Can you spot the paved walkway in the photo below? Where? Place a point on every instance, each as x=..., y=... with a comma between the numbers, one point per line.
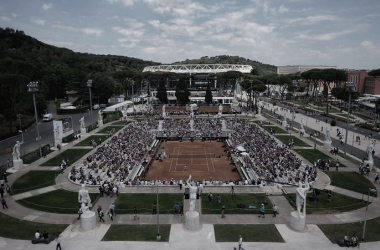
x=74, y=238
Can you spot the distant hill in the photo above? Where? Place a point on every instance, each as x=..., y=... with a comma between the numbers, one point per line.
x=263, y=69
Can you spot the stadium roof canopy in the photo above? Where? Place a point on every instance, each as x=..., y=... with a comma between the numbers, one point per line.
x=199, y=68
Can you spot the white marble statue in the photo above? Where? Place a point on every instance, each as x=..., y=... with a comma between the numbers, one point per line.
x=84, y=197
x=16, y=151
x=100, y=116
x=220, y=109
x=56, y=134
x=301, y=197
x=81, y=122
x=193, y=194
x=259, y=110
x=369, y=152
x=302, y=128
x=163, y=111
x=328, y=134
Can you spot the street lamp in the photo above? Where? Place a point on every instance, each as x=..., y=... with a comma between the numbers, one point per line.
x=22, y=132
x=33, y=88
x=349, y=86
x=370, y=190
x=294, y=100
x=158, y=217
x=89, y=85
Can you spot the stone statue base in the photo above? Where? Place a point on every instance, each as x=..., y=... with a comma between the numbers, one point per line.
x=284, y=124
x=297, y=222
x=370, y=163
x=17, y=164
x=327, y=145
x=83, y=131
x=88, y=220
x=100, y=123
x=57, y=142
x=302, y=131
x=192, y=220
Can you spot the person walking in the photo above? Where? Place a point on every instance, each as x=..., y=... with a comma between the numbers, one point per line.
x=274, y=209
x=376, y=177
x=223, y=211
x=210, y=198
x=101, y=215
x=337, y=165
x=58, y=240
x=135, y=217
x=154, y=208
x=240, y=243
x=112, y=209
x=4, y=203
x=262, y=210
x=80, y=212
x=218, y=199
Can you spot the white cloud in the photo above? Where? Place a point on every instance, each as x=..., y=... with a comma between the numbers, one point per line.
x=47, y=6
x=87, y=31
x=5, y=19
x=92, y=31
x=179, y=8
x=283, y=9
x=14, y=15
x=126, y=3
x=310, y=20
x=38, y=21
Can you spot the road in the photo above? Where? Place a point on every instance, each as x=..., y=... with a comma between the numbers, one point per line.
x=46, y=133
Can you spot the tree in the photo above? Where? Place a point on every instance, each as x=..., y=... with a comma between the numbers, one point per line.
x=208, y=97
x=162, y=94
x=181, y=92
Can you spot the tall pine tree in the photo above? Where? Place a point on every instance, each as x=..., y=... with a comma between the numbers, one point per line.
x=162, y=95
x=208, y=97
x=181, y=92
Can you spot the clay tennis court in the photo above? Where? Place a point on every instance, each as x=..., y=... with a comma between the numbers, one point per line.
x=214, y=109
x=198, y=157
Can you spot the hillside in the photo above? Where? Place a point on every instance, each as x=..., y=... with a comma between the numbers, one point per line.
x=263, y=69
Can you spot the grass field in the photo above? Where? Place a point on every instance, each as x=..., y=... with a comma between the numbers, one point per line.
x=33, y=180
x=339, y=203
x=24, y=230
x=144, y=203
x=312, y=155
x=109, y=128
x=277, y=130
x=351, y=180
x=120, y=123
x=73, y=155
x=297, y=142
x=231, y=203
x=338, y=231
x=250, y=233
x=58, y=201
x=87, y=141
x=136, y=233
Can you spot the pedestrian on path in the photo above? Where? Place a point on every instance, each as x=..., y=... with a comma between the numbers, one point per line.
x=262, y=210
x=274, y=209
x=80, y=212
x=240, y=243
x=4, y=203
x=223, y=211
x=154, y=208
x=337, y=165
x=376, y=177
x=329, y=196
x=58, y=240
x=135, y=217
x=101, y=215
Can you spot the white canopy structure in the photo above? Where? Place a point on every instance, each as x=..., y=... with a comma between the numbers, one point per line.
x=199, y=68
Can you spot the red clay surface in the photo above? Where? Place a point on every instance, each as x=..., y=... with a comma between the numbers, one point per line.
x=200, y=168
x=214, y=109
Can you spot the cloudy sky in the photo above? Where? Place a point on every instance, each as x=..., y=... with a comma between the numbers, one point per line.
x=343, y=33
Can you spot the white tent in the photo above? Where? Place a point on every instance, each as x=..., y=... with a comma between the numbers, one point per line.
x=241, y=149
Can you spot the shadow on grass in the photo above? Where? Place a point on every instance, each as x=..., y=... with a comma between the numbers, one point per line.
x=250, y=233
x=136, y=233
x=72, y=154
x=351, y=181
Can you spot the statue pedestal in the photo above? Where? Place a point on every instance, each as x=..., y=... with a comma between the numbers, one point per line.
x=17, y=164
x=259, y=117
x=297, y=222
x=284, y=124
x=100, y=123
x=302, y=131
x=88, y=220
x=327, y=145
x=192, y=220
x=370, y=163
x=57, y=142
x=83, y=131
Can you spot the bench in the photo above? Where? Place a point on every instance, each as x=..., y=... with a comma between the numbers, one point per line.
x=41, y=240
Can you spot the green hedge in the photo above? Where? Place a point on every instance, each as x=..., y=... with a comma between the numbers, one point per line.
x=71, y=111
x=35, y=155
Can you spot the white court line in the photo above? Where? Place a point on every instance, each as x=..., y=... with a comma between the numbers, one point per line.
x=212, y=161
x=171, y=161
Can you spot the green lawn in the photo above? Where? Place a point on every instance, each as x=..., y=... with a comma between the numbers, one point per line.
x=337, y=231
x=73, y=155
x=231, y=203
x=87, y=141
x=339, y=203
x=312, y=155
x=24, y=230
x=144, y=202
x=297, y=142
x=250, y=233
x=120, y=123
x=33, y=180
x=350, y=180
x=277, y=130
x=58, y=201
x=136, y=233
x=109, y=128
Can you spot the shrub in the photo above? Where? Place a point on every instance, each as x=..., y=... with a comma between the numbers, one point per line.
x=333, y=123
